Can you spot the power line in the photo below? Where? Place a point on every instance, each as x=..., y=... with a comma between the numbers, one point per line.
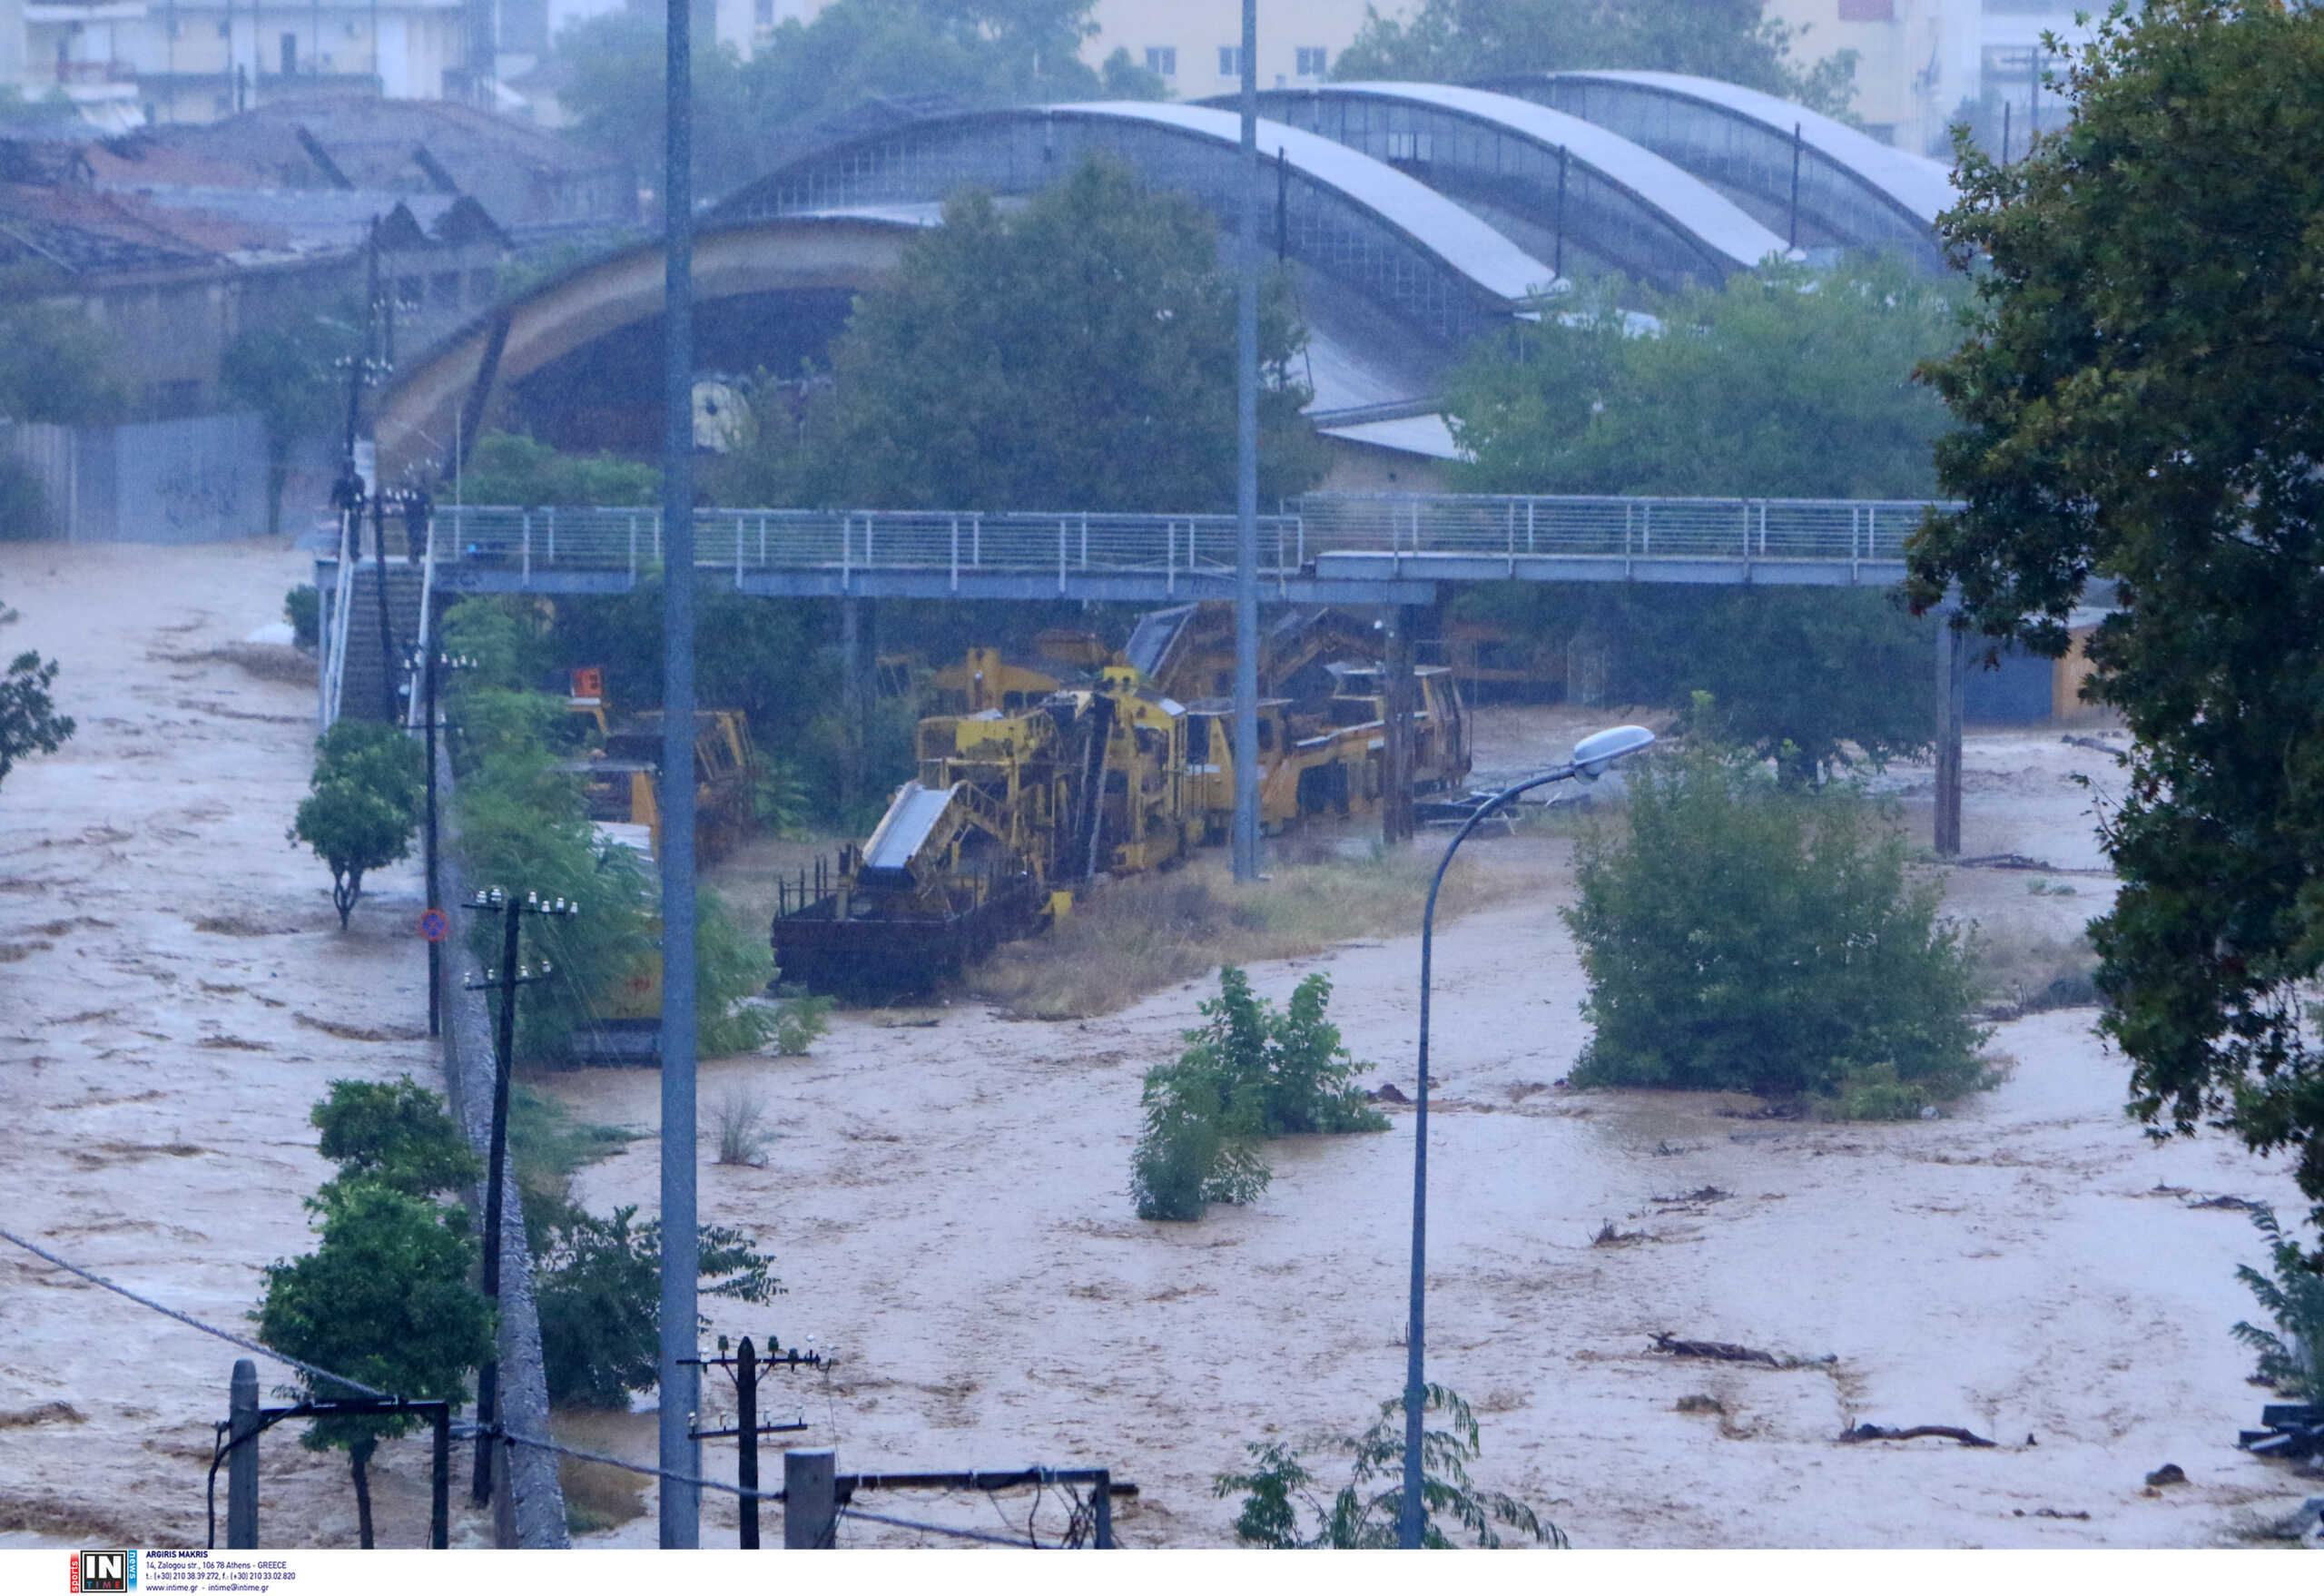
x=242, y=1341
x=880, y=1518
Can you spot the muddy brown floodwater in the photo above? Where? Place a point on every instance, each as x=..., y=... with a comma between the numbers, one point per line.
x=946, y=1192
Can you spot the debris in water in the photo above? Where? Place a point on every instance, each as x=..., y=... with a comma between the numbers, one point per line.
x=1609, y=1237
x=2237, y=1204
x=1728, y=1352
x=1946, y=1432
x=2168, y=1475
x=1701, y=1404
x=1387, y=1093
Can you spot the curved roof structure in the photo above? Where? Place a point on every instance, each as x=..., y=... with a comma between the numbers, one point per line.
x=1553, y=182
x=1344, y=215
x=1854, y=191
x=464, y=379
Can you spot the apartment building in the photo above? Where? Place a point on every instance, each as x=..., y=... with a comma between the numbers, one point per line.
x=1195, y=46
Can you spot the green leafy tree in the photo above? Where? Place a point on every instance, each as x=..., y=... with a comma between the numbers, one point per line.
x=56, y=365
x=395, y=1134
x=1253, y=1071
x=1738, y=937
x=29, y=722
x=286, y=369
x=1077, y=352
x=365, y=802
x=385, y=1299
x=600, y=1293
x=1365, y=1513
x=2141, y=401
x=813, y=73
x=1453, y=41
x=507, y=468
x=1789, y=381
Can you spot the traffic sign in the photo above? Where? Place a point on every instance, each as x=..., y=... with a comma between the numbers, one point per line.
x=435, y=925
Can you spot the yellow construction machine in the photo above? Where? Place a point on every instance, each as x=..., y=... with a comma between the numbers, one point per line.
x=620, y=773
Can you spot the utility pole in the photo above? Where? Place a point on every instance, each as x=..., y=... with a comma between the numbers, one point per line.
x=241, y=1461
x=428, y=663
x=1247, y=472
x=511, y=976
x=681, y=1504
x=745, y=1367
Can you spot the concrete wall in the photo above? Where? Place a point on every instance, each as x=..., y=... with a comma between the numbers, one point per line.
x=201, y=479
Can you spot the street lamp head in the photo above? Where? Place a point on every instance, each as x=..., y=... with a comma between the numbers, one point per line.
x=1594, y=752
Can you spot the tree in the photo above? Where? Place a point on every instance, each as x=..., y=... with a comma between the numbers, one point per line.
x=600, y=1293
x=809, y=76
x=1789, y=381
x=1365, y=1513
x=286, y=367
x=1252, y=1072
x=56, y=365
x=1076, y=354
x=394, y=1133
x=2291, y=1356
x=385, y=1299
x=508, y=468
x=360, y=815
x=1453, y=41
x=29, y=722
x=2141, y=401
x=1738, y=937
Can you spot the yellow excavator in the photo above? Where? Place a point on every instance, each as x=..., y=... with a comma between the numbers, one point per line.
x=619, y=774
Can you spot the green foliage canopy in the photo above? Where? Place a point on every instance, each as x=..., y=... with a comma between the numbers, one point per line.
x=1251, y=1071
x=2292, y=1355
x=395, y=1134
x=56, y=365
x=1454, y=41
x=508, y=468
x=365, y=802
x=1078, y=353
x=2142, y=399
x=29, y=722
x=1365, y=1513
x=1736, y=938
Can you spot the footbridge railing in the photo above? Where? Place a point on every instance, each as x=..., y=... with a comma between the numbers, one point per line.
x=1746, y=531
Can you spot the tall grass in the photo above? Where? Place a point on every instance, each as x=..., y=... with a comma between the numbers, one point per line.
x=1137, y=936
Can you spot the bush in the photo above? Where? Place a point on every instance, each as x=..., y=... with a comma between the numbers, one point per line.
x=1740, y=937
x=2292, y=1357
x=740, y=1121
x=599, y=1292
x=510, y=468
x=302, y=606
x=1251, y=1072
x=799, y=1021
x=23, y=506
x=1366, y=1511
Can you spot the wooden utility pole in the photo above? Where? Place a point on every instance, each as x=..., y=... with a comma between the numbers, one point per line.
x=1396, y=797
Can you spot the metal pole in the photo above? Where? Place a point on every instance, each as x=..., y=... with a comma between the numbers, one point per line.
x=1797, y=145
x=681, y=1503
x=1247, y=473
x=746, y=1439
x=1412, y=1520
x=435, y=884
x=1557, y=260
x=242, y=1463
x=504, y=1048
x=1951, y=659
x=809, y=1500
x=1102, y=1507
x=440, y=1480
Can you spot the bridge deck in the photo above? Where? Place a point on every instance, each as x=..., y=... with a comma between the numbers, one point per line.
x=1342, y=549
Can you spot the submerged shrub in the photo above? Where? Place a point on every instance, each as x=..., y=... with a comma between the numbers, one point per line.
x=1739, y=937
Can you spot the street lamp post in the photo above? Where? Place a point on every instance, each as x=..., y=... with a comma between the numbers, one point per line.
x=1591, y=755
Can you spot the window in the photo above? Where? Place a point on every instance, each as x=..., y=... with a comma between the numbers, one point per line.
x=290, y=55
x=1867, y=10
x=1405, y=146
x=1310, y=59
x=1162, y=60
x=763, y=13
x=1230, y=60
x=223, y=33
x=444, y=288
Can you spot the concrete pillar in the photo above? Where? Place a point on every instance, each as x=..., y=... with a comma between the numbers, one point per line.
x=809, y=1500
x=1952, y=673
x=242, y=1463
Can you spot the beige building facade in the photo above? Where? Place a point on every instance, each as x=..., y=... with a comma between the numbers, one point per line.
x=1193, y=46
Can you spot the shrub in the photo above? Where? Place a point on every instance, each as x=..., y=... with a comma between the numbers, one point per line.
x=302, y=606
x=1366, y=1511
x=740, y=1120
x=799, y=1021
x=599, y=1291
x=24, y=504
x=1741, y=938
x=2292, y=1357
x=1251, y=1071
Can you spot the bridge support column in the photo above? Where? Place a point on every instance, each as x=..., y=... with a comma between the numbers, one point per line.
x=1952, y=673
x=858, y=621
x=1396, y=798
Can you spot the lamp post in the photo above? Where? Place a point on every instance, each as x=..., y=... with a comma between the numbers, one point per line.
x=1591, y=755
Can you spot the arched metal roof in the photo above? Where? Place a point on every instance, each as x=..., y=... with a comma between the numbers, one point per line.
x=1352, y=219
x=1854, y=190
x=1552, y=180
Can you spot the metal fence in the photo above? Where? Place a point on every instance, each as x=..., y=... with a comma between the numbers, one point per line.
x=573, y=538
x=197, y=479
